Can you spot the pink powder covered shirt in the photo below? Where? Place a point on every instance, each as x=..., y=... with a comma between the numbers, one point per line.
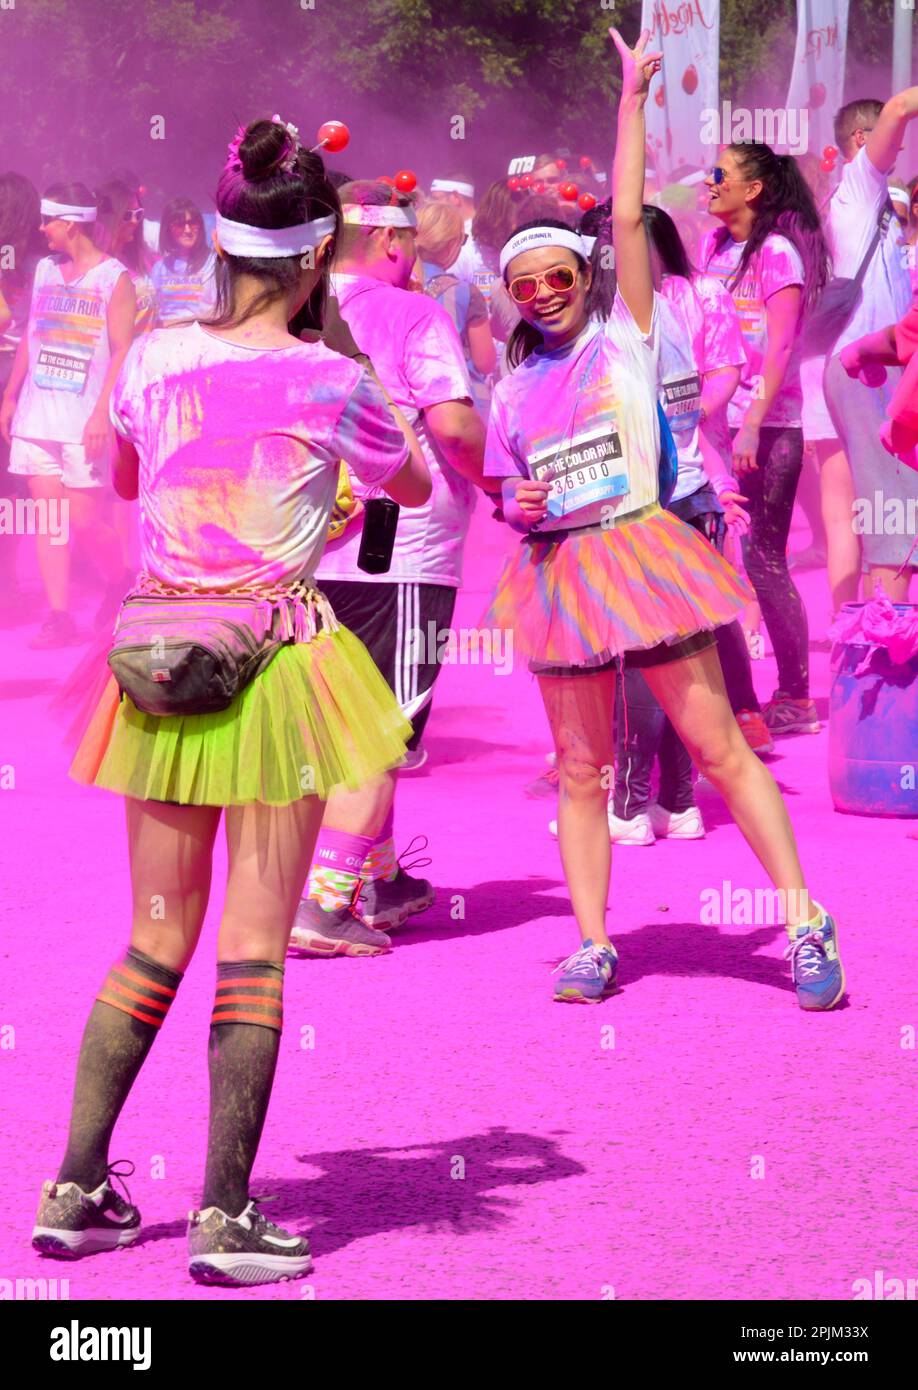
x=418, y=356
x=775, y=266
x=239, y=453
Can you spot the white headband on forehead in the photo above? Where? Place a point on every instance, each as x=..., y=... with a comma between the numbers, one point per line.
x=270, y=243
x=589, y=242
x=378, y=215
x=467, y=190
x=534, y=237
x=67, y=211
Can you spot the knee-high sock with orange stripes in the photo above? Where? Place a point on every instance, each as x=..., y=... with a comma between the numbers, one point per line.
x=126, y=1017
x=244, y=1041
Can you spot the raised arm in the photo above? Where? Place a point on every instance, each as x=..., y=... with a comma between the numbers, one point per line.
x=632, y=253
x=885, y=140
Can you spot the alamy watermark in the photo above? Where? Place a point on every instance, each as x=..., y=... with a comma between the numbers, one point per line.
x=782, y=127
x=464, y=646
x=36, y=516
x=884, y=516
x=747, y=907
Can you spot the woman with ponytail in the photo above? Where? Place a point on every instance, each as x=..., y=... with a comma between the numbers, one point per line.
x=604, y=575
x=771, y=254
x=231, y=433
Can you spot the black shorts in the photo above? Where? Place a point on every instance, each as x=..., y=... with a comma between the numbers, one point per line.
x=659, y=655
x=399, y=625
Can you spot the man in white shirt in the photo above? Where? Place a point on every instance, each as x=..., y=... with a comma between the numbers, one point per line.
x=869, y=137
x=357, y=888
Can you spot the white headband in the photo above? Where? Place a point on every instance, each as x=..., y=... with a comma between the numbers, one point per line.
x=270, y=243
x=898, y=195
x=67, y=212
x=542, y=236
x=452, y=186
x=378, y=215
x=589, y=242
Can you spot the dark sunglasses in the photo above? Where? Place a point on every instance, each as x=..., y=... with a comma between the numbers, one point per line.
x=718, y=174
x=184, y=222
x=132, y=215
x=559, y=278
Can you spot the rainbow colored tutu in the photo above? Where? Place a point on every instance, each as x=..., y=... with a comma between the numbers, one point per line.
x=594, y=594
x=318, y=717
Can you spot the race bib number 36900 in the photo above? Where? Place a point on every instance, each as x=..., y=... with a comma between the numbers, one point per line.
x=588, y=469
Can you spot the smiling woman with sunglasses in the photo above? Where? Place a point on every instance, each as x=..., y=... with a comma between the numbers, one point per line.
x=185, y=278
x=605, y=573
x=772, y=256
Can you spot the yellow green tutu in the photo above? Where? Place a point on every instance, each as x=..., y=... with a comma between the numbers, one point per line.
x=319, y=716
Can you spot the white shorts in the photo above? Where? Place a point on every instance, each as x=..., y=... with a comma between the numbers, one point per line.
x=47, y=458
x=817, y=423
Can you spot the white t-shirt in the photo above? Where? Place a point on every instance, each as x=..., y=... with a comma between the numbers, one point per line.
x=585, y=418
x=182, y=293
x=471, y=267
x=850, y=226
x=699, y=333
x=69, y=352
x=775, y=266
x=418, y=356
x=239, y=453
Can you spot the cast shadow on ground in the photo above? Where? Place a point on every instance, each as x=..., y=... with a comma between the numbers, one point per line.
x=681, y=949
x=368, y=1192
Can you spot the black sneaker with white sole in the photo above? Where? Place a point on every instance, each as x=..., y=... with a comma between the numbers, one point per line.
x=243, y=1250
x=72, y=1223
x=318, y=931
x=385, y=904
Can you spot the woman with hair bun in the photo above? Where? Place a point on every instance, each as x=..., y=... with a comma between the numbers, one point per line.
x=231, y=432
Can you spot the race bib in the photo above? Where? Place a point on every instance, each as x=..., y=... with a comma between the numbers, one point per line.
x=587, y=469
x=682, y=402
x=61, y=371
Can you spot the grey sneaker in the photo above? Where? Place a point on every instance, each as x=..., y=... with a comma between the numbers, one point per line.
x=244, y=1249
x=71, y=1222
x=387, y=903
x=317, y=932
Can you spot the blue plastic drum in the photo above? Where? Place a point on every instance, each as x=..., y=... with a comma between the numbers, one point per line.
x=873, y=731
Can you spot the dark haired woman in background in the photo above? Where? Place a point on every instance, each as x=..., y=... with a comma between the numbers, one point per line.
x=55, y=406
x=119, y=232
x=772, y=256
x=24, y=248
x=231, y=433
x=701, y=353
x=604, y=572
x=184, y=279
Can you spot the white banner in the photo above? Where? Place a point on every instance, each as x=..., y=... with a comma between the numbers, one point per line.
x=688, y=34
x=817, y=82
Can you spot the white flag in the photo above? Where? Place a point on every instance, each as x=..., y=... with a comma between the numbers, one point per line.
x=817, y=82
x=688, y=35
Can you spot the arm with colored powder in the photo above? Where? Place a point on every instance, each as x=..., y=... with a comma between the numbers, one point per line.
x=13, y=387
x=782, y=316
x=121, y=310
x=629, y=238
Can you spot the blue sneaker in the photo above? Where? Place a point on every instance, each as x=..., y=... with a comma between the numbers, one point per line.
x=588, y=975
x=816, y=967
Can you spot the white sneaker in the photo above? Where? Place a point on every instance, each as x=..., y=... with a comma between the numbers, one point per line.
x=677, y=825
x=638, y=831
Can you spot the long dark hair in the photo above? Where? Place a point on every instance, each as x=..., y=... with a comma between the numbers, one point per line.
x=262, y=194
x=525, y=337
x=113, y=198
x=785, y=206
x=174, y=209
x=19, y=214
x=662, y=233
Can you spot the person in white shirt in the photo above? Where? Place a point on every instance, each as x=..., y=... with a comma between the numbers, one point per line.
x=869, y=137
x=419, y=357
x=55, y=407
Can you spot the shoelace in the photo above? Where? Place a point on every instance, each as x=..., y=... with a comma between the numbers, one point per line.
x=806, y=955
x=119, y=1176
x=581, y=961
x=415, y=849
x=411, y=848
